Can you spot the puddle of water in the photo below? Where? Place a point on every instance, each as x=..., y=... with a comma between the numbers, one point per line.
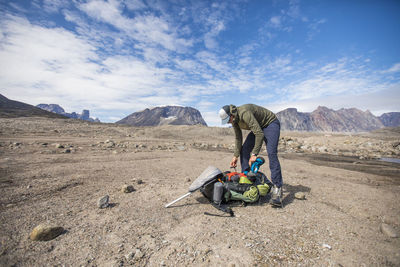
x=390, y=160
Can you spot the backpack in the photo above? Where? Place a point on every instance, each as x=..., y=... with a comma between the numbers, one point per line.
x=240, y=187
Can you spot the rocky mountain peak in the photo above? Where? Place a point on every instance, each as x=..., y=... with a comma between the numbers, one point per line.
x=55, y=108
x=172, y=115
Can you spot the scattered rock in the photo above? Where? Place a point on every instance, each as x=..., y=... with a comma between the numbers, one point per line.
x=130, y=256
x=103, y=202
x=44, y=232
x=138, y=254
x=59, y=146
x=67, y=151
x=139, y=181
x=326, y=246
x=109, y=143
x=388, y=230
x=322, y=149
x=127, y=189
x=300, y=195
x=29, y=186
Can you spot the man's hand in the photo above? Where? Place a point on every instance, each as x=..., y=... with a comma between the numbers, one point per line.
x=234, y=162
x=252, y=159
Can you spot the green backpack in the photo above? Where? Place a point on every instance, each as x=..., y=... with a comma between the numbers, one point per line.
x=245, y=188
x=248, y=188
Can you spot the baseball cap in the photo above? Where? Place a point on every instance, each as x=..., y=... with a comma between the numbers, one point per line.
x=224, y=114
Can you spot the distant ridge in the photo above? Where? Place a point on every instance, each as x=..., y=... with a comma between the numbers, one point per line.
x=324, y=119
x=85, y=115
x=171, y=115
x=391, y=119
x=13, y=109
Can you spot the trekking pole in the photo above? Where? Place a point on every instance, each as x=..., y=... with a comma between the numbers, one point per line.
x=176, y=200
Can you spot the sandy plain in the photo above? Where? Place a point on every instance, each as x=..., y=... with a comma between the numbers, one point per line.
x=54, y=171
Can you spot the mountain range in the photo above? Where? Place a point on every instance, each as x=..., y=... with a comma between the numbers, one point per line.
x=172, y=115
x=55, y=108
x=322, y=119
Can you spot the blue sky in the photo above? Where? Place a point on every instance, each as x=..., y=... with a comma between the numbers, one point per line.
x=116, y=57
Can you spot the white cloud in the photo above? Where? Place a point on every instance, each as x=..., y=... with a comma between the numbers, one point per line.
x=275, y=21
x=54, y=6
x=134, y=4
x=294, y=9
x=147, y=29
x=393, y=69
x=57, y=65
x=314, y=28
x=211, y=117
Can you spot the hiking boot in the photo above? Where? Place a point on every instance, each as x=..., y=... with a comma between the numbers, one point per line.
x=276, y=198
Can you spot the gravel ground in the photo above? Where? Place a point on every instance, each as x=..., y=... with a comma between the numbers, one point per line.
x=54, y=171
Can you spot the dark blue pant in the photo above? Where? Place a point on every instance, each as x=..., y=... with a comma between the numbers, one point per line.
x=271, y=139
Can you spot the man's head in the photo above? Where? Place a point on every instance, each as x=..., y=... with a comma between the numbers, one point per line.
x=225, y=114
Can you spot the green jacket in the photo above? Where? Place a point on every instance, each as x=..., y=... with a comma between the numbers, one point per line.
x=250, y=117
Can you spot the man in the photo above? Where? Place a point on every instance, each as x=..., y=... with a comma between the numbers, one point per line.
x=264, y=125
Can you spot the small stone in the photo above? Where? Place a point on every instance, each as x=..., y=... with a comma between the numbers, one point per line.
x=139, y=181
x=127, y=189
x=207, y=251
x=388, y=230
x=138, y=254
x=59, y=146
x=67, y=150
x=188, y=180
x=110, y=145
x=300, y=195
x=103, y=202
x=44, y=232
x=29, y=186
x=130, y=256
x=326, y=246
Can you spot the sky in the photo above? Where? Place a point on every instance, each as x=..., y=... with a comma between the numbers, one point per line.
x=116, y=57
